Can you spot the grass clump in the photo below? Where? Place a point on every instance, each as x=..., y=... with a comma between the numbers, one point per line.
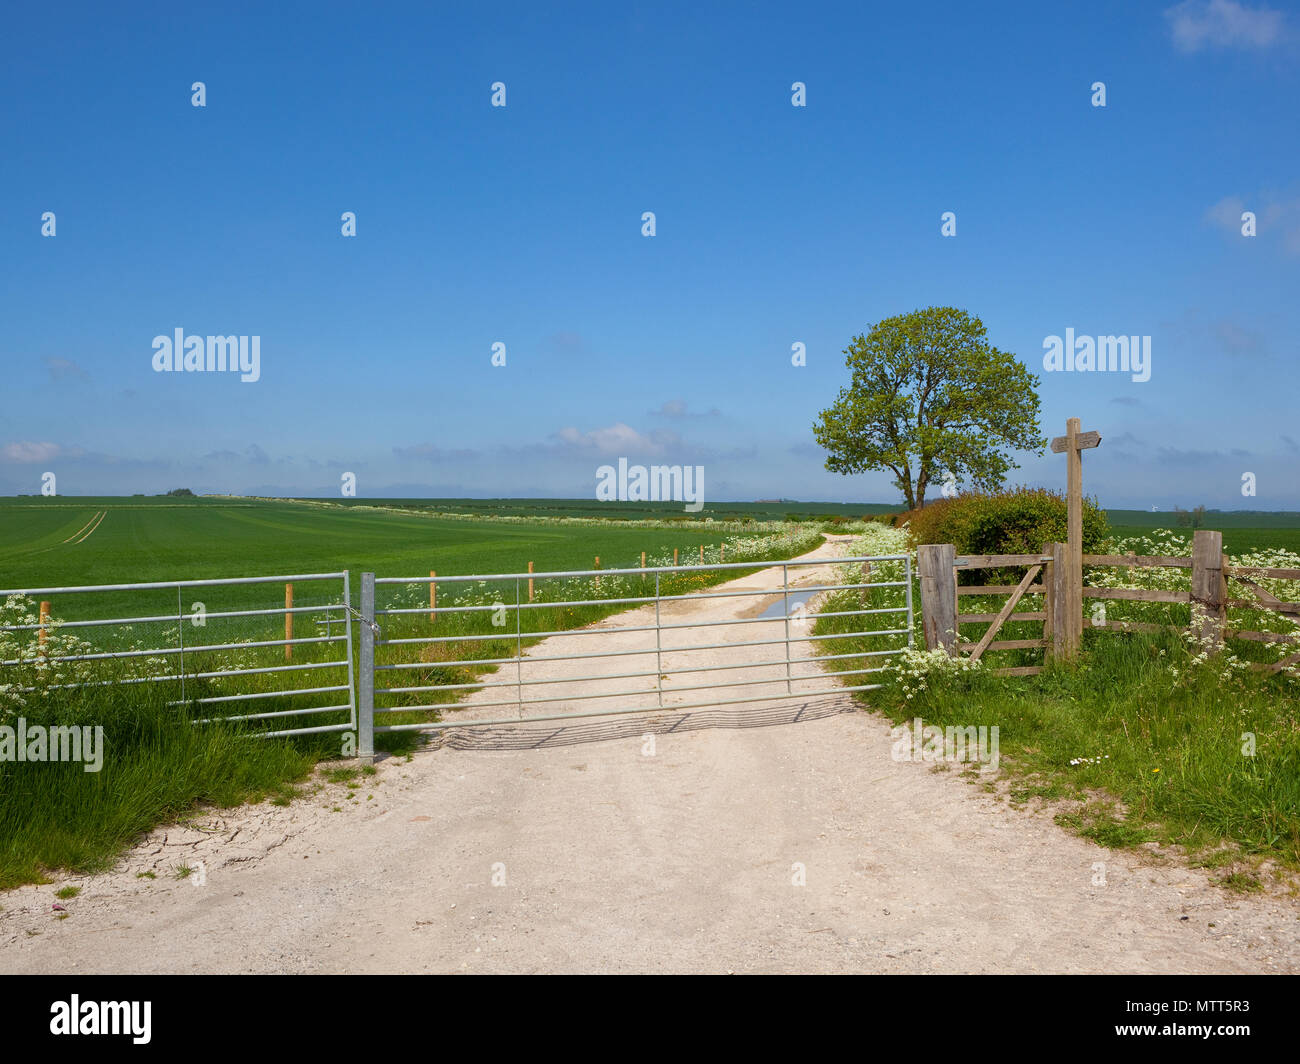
x=157, y=766
x=1192, y=754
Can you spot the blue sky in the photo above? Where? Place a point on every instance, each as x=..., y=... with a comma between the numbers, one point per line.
x=522, y=225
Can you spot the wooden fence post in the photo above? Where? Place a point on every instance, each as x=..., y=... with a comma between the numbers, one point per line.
x=1049, y=598
x=1065, y=640
x=530, y=582
x=41, y=634
x=1208, y=587
x=674, y=556
x=433, y=596
x=701, y=553
x=289, y=621
x=935, y=563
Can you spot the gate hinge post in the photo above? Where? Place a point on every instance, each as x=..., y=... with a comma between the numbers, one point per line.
x=366, y=673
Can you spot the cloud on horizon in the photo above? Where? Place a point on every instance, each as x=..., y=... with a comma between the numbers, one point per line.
x=23, y=452
x=616, y=439
x=428, y=452
x=678, y=410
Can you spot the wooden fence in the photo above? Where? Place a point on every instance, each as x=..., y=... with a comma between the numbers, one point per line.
x=1048, y=575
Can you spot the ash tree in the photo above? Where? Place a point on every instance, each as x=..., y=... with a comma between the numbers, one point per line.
x=930, y=398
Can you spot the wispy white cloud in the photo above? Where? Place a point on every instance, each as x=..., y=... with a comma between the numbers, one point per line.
x=672, y=408
x=1236, y=339
x=1196, y=25
x=1276, y=217
x=616, y=439
x=568, y=342
x=1226, y=214
x=63, y=367
x=28, y=451
x=678, y=410
x=253, y=454
x=1178, y=456
x=429, y=452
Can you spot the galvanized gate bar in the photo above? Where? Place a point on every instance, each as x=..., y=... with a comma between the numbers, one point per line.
x=154, y=652
x=216, y=582
x=756, y=566
x=175, y=657
x=655, y=693
x=630, y=628
x=274, y=611
x=632, y=600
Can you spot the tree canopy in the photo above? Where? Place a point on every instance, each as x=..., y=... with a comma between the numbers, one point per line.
x=929, y=398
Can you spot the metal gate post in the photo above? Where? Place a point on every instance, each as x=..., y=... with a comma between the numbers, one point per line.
x=366, y=687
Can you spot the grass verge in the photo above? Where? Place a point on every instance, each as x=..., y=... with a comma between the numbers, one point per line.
x=1144, y=740
x=156, y=767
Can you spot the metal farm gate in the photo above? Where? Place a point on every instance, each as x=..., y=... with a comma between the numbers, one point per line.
x=465, y=656
x=471, y=651
x=217, y=653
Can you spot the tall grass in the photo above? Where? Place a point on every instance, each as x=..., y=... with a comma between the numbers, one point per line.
x=1178, y=755
x=157, y=766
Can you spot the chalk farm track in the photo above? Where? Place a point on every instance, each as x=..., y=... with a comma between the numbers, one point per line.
x=612, y=860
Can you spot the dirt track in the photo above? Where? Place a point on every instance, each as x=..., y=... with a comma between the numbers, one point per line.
x=681, y=860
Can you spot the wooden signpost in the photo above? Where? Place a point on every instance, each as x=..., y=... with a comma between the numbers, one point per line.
x=1073, y=443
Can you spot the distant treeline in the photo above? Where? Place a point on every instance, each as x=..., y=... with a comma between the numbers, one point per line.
x=1206, y=518
x=774, y=510
x=631, y=511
